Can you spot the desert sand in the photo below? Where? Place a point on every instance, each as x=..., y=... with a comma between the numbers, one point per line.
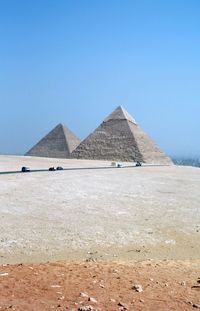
x=142, y=222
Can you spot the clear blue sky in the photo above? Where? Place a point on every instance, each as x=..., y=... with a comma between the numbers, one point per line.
x=74, y=61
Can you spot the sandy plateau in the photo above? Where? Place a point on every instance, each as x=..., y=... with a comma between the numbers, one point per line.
x=84, y=238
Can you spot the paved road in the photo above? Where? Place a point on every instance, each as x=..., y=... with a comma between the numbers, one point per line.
x=64, y=169
x=79, y=168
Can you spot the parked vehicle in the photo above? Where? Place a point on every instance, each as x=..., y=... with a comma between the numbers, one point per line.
x=116, y=164
x=59, y=168
x=25, y=169
x=52, y=168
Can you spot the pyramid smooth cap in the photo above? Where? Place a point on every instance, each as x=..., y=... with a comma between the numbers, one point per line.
x=120, y=114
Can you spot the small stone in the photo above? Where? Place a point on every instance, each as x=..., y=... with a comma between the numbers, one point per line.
x=183, y=283
x=101, y=285
x=92, y=300
x=138, y=288
x=84, y=295
x=61, y=298
x=112, y=300
x=196, y=305
x=86, y=308
x=91, y=260
x=196, y=286
x=123, y=306
x=189, y=302
x=4, y=274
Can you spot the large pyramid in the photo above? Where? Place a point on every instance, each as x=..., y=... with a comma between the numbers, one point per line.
x=120, y=138
x=59, y=143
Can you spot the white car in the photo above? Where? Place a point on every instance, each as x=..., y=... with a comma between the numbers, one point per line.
x=116, y=164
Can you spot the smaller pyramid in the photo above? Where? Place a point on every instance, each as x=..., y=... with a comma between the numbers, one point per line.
x=59, y=143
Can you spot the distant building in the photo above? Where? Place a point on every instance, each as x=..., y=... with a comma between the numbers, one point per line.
x=120, y=138
x=59, y=143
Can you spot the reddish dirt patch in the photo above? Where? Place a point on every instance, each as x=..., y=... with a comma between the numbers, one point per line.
x=57, y=286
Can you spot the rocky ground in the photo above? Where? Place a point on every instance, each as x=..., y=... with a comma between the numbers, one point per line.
x=110, y=286
x=73, y=225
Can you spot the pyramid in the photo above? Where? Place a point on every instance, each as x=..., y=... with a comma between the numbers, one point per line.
x=59, y=143
x=120, y=138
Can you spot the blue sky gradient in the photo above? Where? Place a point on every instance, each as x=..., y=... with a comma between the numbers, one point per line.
x=75, y=61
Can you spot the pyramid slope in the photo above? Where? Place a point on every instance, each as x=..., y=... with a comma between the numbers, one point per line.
x=58, y=143
x=109, y=142
x=150, y=151
x=119, y=138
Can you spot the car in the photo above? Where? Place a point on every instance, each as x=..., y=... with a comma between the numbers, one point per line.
x=116, y=164
x=25, y=169
x=59, y=168
x=52, y=168
x=138, y=163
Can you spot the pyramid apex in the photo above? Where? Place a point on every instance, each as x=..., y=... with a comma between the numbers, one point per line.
x=121, y=107
x=120, y=113
x=59, y=125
